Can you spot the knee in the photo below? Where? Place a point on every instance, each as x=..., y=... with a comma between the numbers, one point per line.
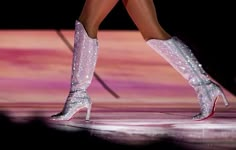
x=154, y=32
x=159, y=36
x=88, y=23
x=147, y=36
x=90, y=26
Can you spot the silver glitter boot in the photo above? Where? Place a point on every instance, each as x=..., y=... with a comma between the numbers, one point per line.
x=180, y=57
x=83, y=66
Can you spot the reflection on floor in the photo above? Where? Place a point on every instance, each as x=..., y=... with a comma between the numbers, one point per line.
x=138, y=98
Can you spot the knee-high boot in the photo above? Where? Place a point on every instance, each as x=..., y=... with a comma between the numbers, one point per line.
x=83, y=66
x=180, y=57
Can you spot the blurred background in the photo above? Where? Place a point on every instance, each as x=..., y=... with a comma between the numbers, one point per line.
x=207, y=27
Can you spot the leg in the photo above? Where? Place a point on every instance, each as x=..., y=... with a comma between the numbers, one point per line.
x=177, y=54
x=84, y=57
x=143, y=13
x=93, y=13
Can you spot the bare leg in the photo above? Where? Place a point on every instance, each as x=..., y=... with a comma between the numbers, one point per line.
x=93, y=13
x=143, y=13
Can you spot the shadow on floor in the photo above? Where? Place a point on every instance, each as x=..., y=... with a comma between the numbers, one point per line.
x=37, y=134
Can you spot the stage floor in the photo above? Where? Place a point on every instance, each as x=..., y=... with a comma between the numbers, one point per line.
x=138, y=98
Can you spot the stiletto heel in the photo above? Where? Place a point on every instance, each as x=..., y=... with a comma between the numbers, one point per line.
x=88, y=112
x=222, y=95
x=224, y=99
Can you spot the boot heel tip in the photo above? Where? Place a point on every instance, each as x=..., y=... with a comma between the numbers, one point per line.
x=226, y=105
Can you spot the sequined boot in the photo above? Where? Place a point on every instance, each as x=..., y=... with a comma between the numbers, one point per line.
x=83, y=66
x=180, y=57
